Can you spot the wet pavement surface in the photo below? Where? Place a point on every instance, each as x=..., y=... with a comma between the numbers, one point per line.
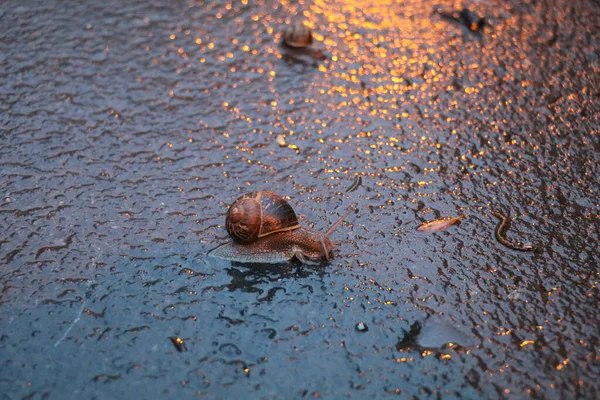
x=127, y=128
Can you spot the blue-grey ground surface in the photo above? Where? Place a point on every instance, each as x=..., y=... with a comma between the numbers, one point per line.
x=128, y=127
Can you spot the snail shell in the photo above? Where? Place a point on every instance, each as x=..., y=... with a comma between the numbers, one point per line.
x=258, y=214
x=297, y=35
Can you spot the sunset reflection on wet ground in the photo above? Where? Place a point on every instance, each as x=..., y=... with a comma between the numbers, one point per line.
x=129, y=127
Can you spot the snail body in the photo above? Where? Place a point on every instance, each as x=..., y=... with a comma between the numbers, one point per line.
x=301, y=244
x=264, y=229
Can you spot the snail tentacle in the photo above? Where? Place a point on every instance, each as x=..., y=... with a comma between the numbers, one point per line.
x=324, y=249
x=337, y=223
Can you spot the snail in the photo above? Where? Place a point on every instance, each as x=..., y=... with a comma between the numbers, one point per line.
x=297, y=35
x=296, y=45
x=265, y=229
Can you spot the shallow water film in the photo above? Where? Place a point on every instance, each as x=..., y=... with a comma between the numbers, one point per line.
x=128, y=127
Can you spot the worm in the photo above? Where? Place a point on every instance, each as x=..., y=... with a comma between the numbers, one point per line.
x=357, y=182
x=501, y=230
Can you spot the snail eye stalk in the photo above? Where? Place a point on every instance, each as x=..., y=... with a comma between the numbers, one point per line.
x=338, y=223
x=324, y=248
x=329, y=232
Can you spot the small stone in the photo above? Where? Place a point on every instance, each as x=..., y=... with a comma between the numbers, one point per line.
x=362, y=327
x=281, y=140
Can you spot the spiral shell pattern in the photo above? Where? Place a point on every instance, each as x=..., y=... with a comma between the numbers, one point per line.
x=258, y=214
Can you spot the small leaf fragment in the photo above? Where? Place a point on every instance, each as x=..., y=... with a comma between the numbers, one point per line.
x=439, y=224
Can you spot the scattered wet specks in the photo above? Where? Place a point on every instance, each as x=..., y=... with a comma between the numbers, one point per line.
x=361, y=327
x=179, y=343
x=355, y=184
x=231, y=320
x=42, y=250
x=439, y=224
x=149, y=128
